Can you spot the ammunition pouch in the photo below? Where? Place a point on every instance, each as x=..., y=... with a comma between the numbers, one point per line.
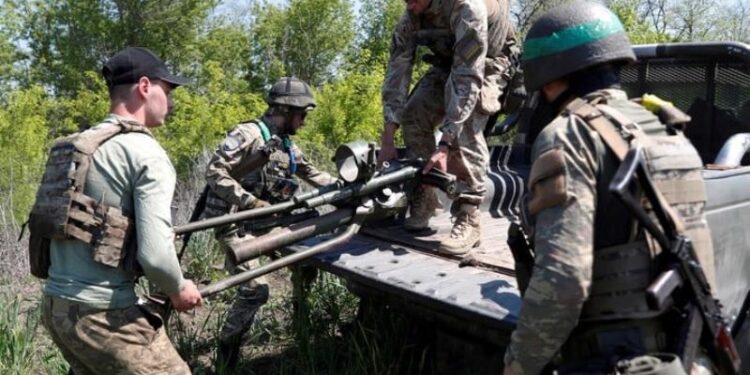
x=63, y=212
x=621, y=276
x=215, y=206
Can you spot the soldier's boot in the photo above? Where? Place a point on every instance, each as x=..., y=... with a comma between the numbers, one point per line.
x=422, y=209
x=466, y=231
x=238, y=321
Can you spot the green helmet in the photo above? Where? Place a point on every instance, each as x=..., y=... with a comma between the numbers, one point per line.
x=572, y=37
x=291, y=92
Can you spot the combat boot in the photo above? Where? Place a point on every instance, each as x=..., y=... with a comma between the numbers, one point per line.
x=466, y=232
x=422, y=209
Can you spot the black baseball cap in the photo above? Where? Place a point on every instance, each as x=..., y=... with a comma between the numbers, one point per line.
x=132, y=63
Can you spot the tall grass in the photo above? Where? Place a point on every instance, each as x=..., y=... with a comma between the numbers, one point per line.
x=24, y=346
x=309, y=326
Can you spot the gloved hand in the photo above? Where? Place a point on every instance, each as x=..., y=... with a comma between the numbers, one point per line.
x=260, y=203
x=250, y=202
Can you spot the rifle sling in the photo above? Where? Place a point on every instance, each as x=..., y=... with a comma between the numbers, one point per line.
x=610, y=124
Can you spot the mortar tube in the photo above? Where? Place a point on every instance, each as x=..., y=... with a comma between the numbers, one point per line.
x=243, y=277
x=289, y=235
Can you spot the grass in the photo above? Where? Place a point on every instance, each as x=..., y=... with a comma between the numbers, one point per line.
x=24, y=346
x=312, y=324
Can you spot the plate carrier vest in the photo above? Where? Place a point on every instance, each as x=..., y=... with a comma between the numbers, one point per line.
x=62, y=211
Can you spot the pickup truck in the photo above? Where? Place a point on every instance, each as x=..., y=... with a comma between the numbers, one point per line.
x=470, y=306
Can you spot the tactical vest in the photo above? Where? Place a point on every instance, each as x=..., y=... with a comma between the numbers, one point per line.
x=625, y=260
x=436, y=34
x=273, y=181
x=62, y=210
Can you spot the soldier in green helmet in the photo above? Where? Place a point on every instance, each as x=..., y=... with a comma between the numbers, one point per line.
x=235, y=185
x=585, y=310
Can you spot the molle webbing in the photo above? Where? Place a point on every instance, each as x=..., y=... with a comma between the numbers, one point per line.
x=622, y=273
x=620, y=277
x=63, y=211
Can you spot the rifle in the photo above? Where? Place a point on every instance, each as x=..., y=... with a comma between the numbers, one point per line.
x=364, y=193
x=523, y=255
x=683, y=276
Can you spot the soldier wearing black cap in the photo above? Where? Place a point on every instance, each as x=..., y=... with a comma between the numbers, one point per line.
x=585, y=309
x=235, y=185
x=110, y=223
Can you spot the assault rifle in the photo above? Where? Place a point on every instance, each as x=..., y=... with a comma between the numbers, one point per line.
x=683, y=278
x=363, y=193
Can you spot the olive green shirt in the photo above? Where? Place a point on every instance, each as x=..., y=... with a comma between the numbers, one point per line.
x=131, y=171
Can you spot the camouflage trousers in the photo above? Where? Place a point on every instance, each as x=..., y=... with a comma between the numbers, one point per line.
x=118, y=341
x=251, y=295
x=423, y=112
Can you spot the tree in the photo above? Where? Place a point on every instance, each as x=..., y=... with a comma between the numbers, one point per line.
x=67, y=37
x=377, y=22
x=306, y=38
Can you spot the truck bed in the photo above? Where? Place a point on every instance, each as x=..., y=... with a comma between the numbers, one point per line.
x=475, y=295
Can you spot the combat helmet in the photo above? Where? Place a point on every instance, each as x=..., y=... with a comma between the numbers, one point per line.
x=572, y=37
x=291, y=92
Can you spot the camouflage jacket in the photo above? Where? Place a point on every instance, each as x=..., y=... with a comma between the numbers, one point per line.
x=236, y=150
x=573, y=215
x=470, y=35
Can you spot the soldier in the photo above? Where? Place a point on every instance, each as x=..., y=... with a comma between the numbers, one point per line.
x=460, y=91
x=235, y=186
x=585, y=306
x=123, y=185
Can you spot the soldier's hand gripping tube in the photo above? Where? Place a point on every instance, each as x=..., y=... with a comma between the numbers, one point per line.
x=679, y=259
x=441, y=180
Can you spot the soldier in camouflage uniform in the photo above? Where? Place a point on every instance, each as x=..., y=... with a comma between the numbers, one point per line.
x=236, y=186
x=459, y=92
x=90, y=307
x=585, y=306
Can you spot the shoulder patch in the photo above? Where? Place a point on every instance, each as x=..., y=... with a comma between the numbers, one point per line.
x=547, y=184
x=469, y=47
x=232, y=143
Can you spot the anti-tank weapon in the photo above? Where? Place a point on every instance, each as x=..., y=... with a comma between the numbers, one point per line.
x=682, y=278
x=363, y=193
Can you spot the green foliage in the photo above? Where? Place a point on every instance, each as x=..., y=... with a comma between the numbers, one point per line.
x=202, y=117
x=638, y=31
x=348, y=109
x=378, y=20
x=306, y=38
x=24, y=137
x=23, y=349
x=65, y=35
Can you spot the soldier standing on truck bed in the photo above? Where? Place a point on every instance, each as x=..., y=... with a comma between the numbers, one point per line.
x=585, y=306
x=101, y=218
x=470, y=69
x=235, y=186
